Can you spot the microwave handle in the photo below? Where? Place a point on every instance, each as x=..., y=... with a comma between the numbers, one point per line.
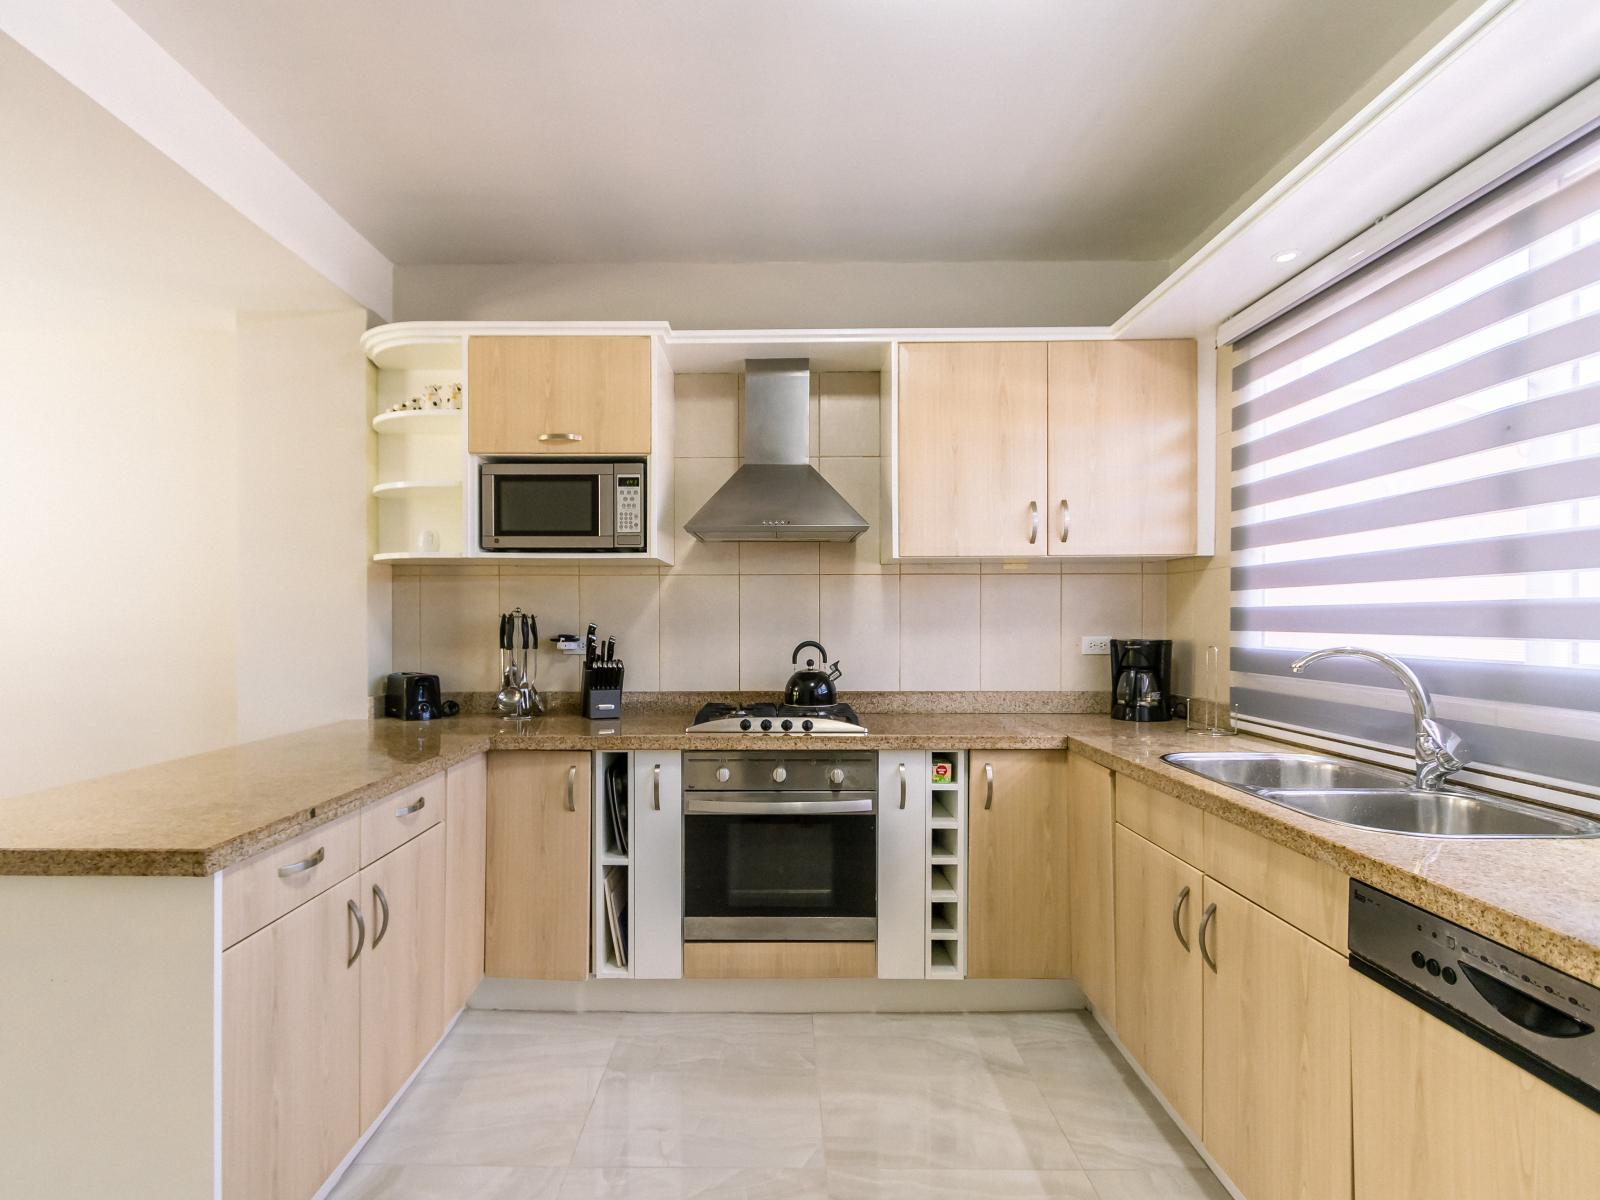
x=561, y=437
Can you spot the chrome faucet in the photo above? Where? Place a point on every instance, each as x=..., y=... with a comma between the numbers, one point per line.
x=1439, y=752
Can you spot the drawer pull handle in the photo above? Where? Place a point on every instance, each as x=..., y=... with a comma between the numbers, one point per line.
x=1033, y=521
x=383, y=904
x=561, y=437
x=361, y=933
x=1177, y=914
x=988, y=785
x=408, y=809
x=655, y=787
x=305, y=864
x=1205, y=922
x=902, y=785
x=572, y=789
x=1066, y=521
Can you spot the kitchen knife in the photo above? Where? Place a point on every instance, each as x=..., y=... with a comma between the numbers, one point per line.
x=611, y=649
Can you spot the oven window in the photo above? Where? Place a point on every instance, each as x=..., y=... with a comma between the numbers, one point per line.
x=546, y=505
x=754, y=866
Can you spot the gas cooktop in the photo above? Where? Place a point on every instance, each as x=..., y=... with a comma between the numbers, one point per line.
x=793, y=720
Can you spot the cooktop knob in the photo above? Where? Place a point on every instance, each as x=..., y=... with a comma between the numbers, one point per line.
x=745, y=724
x=779, y=774
x=836, y=776
x=786, y=725
x=722, y=774
x=765, y=725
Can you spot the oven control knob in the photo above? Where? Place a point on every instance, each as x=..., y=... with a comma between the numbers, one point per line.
x=786, y=725
x=745, y=724
x=722, y=774
x=806, y=725
x=779, y=774
x=836, y=776
x=765, y=725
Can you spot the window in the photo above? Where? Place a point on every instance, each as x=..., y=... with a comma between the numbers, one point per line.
x=1416, y=469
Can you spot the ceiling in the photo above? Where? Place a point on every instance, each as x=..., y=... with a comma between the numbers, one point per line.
x=827, y=130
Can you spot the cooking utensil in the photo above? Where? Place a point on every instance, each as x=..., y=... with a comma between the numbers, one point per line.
x=508, y=701
x=812, y=685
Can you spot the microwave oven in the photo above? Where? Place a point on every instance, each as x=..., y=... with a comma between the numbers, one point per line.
x=585, y=505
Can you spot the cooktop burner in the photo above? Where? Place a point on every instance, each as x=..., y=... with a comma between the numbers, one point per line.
x=778, y=719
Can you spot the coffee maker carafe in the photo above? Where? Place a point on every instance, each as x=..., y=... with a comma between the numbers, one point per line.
x=1141, y=680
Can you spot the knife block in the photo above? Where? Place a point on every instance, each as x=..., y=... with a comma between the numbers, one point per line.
x=602, y=690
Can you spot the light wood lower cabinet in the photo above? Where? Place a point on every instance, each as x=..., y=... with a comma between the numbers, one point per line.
x=464, y=851
x=1017, y=863
x=291, y=1050
x=657, y=854
x=1158, y=990
x=1277, y=1054
x=779, y=960
x=1090, y=857
x=1439, y=1117
x=537, y=895
x=903, y=834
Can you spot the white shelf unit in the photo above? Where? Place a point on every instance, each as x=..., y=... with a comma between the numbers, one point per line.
x=615, y=859
x=945, y=930
x=421, y=454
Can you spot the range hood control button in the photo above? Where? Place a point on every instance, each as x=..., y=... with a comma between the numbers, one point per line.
x=779, y=774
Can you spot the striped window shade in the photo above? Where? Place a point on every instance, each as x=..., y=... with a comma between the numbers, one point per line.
x=1416, y=469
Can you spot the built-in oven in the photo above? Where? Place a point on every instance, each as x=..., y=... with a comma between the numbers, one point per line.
x=780, y=845
x=567, y=504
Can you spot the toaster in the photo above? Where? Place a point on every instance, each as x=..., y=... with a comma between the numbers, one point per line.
x=413, y=696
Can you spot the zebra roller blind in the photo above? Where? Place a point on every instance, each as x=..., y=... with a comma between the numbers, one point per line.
x=1416, y=469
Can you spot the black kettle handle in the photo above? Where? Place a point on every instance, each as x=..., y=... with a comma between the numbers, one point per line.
x=795, y=657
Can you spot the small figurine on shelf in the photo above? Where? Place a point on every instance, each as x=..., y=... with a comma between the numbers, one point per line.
x=455, y=396
x=435, y=396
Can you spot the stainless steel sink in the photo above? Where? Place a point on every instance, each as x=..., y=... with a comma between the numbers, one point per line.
x=1373, y=798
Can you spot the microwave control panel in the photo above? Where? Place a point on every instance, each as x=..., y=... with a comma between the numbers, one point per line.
x=629, y=512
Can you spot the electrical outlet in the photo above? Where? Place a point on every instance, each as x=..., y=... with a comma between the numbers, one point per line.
x=1100, y=644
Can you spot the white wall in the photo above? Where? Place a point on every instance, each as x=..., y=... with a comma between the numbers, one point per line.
x=777, y=295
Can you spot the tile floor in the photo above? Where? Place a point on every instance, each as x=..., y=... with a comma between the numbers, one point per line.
x=536, y=1106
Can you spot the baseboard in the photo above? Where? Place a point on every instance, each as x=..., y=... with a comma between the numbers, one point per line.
x=778, y=995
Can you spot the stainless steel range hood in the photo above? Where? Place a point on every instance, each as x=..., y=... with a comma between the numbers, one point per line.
x=777, y=495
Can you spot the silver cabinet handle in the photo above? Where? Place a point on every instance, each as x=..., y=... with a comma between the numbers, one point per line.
x=561, y=437
x=572, y=789
x=902, y=785
x=1177, y=911
x=1205, y=921
x=361, y=933
x=1066, y=520
x=305, y=864
x=411, y=808
x=655, y=787
x=988, y=784
x=1033, y=521
x=383, y=904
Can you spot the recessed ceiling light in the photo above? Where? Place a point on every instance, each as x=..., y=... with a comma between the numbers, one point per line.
x=1288, y=256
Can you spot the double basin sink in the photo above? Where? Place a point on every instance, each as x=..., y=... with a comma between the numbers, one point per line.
x=1372, y=798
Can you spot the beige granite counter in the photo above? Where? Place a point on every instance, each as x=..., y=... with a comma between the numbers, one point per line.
x=197, y=815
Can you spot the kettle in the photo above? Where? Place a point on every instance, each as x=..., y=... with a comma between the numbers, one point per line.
x=812, y=686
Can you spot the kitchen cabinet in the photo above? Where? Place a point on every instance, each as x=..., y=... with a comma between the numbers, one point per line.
x=1158, y=988
x=903, y=833
x=1090, y=858
x=402, y=967
x=464, y=850
x=1276, y=1083
x=970, y=435
x=537, y=893
x=1439, y=1117
x=1122, y=447
x=291, y=1049
x=1017, y=862
x=778, y=960
x=572, y=394
x=656, y=922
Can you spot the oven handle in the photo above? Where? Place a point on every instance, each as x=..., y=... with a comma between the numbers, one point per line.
x=758, y=804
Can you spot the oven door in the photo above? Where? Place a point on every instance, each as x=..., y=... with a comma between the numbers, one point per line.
x=546, y=506
x=770, y=867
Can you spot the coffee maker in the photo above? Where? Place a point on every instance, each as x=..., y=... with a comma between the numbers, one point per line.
x=1141, y=680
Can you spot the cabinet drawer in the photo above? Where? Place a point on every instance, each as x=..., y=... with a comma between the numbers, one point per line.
x=395, y=820
x=259, y=891
x=1176, y=827
x=1311, y=896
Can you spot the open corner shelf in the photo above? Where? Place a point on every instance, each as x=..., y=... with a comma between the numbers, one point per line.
x=399, y=487
x=436, y=558
x=428, y=421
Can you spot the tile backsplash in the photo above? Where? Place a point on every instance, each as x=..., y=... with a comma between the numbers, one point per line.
x=725, y=616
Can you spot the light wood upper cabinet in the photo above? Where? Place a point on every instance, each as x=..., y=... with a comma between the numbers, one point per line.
x=971, y=428
x=1122, y=447
x=1158, y=968
x=1018, y=862
x=464, y=850
x=1090, y=857
x=558, y=395
x=537, y=920
x=1439, y=1117
x=291, y=1046
x=1277, y=1055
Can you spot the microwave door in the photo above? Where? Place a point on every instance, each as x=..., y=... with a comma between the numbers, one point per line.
x=554, y=507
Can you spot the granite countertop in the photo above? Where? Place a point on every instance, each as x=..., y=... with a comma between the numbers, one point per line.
x=197, y=815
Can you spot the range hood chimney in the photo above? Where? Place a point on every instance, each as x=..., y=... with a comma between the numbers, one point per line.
x=777, y=495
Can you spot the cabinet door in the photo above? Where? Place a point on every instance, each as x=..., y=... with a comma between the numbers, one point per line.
x=1439, y=1117
x=1277, y=1055
x=402, y=969
x=558, y=395
x=903, y=834
x=1090, y=856
x=537, y=907
x=465, y=816
x=291, y=1038
x=1158, y=968
x=971, y=445
x=1122, y=447
x=656, y=923
x=1017, y=922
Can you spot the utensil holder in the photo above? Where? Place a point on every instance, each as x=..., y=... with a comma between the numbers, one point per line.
x=602, y=690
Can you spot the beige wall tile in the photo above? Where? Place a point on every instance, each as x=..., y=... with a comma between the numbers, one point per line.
x=775, y=613
x=405, y=600
x=694, y=482
x=1101, y=566
x=939, y=567
x=849, y=415
x=1020, y=566
x=779, y=558
x=554, y=600
x=939, y=632
x=1019, y=632
x=1153, y=606
x=706, y=416
x=857, y=481
x=459, y=630
x=1197, y=617
x=1091, y=605
x=628, y=608
x=860, y=626
x=700, y=633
